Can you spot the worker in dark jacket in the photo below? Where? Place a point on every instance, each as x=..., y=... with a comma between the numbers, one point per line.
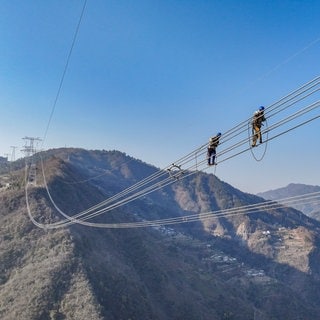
x=211, y=154
x=257, y=120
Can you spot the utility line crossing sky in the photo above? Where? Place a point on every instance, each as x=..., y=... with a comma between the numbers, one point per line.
x=155, y=79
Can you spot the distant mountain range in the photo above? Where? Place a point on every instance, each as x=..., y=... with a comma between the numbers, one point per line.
x=248, y=265
x=292, y=190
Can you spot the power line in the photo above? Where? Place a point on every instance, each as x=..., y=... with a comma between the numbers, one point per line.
x=309, y=198
x=64, y=72
x=162, y=178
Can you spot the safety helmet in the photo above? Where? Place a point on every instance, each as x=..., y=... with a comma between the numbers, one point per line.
x=256, y=113
x=219, y=134
x=261, y=108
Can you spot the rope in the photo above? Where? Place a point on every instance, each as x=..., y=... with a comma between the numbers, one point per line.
x=265, y=143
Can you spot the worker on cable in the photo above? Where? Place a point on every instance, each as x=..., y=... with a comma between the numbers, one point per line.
x=257, y=120
x=211, y=154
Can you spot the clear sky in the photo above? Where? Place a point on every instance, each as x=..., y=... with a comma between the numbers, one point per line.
x=156, y=79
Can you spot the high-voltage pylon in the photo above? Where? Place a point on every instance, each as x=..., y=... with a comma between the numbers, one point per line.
x=30, y=145
x=13, y=153
x=29, y=150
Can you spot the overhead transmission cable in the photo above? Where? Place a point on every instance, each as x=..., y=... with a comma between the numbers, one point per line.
x=134, y=197
x=309, y=198
x=64, y=72
x=99, y=209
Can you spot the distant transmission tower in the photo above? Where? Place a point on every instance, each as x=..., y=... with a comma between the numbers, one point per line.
x=9, y=164
x=13, y=153
x=29, y=150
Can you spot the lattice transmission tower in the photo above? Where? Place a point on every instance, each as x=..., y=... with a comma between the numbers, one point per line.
x=13, y=153
x=30, y=146
x=29, y=149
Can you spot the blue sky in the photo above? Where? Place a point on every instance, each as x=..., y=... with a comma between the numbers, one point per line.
x=156, y=79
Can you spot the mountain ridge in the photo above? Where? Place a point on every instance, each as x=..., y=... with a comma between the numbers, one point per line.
x=292, y=190
x=226, y=268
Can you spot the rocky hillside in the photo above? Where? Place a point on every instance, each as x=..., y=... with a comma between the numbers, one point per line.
x=262, y=265
x=295, y=189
